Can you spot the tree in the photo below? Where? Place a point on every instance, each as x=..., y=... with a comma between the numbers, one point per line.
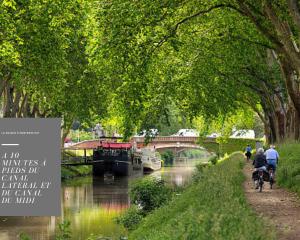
x=197, y=53
x=45, y=69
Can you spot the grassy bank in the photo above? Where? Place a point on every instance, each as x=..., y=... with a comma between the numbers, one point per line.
x=288, y=174
x=212, y=208
x=68, y=172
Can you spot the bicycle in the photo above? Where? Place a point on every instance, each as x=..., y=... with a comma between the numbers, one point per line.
x=259, y=176
x=248, y=155
x=260, y=179
x=271, y=175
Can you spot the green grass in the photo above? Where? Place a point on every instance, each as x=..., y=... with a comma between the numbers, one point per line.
x=79, y=152
x=68, y=172
x=214, y=207
x=288, y=173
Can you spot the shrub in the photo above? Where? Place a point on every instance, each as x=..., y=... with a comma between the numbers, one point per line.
x=167, y=157
x=150, y=193
x=214, y=160
x=131, y=218
x=64, y=231
x=199, y=171
x=24, y=236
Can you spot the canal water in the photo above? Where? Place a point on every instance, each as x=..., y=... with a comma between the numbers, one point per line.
x=91, y=205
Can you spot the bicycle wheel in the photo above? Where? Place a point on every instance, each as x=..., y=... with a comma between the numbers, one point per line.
x=271, y=183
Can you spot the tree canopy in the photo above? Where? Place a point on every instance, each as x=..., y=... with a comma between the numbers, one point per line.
x=132, y=60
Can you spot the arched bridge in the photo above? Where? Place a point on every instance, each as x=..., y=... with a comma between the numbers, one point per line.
x=160, y=143
x=174, y=143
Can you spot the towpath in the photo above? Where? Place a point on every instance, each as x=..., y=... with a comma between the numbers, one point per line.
x=278, y=206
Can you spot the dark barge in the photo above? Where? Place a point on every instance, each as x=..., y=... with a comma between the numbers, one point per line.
x=115, y=158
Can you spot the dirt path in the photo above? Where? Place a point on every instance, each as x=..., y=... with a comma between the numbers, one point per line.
x=279, y=206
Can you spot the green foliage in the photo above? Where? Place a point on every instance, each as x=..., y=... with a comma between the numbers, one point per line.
x=188, y=68
x=288, y=171
x=231, y=145
x=149, y=194
x=172, y=120
x=228, y=145
x=212, y=208
x=80, y=135
x=43, y=61
x=198, y=174
x=78, y=181
x=243, y=118
x=209, y=146
x=146, y=195
x=131, y=218
x=137, y=64
x=214, y=160
x=68, y=172
x=24, y=236
x=168, y=157
x=193, y=153
x=64, y=231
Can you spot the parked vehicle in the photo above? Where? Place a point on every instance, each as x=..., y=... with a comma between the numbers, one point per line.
x=214, y=135
x=187, y=133
x=151, y=132
x=243, y=134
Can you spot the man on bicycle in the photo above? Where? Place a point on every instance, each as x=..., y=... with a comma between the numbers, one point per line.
x=272, y=157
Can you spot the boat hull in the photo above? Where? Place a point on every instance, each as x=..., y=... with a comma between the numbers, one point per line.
x=119, y=168
x=150, y=166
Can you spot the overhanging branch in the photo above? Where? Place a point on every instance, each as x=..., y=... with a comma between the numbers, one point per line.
x=184, y=20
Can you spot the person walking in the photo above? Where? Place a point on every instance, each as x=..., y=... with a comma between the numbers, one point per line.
x=248, y=152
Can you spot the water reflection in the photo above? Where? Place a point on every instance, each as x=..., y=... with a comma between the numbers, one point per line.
x=179, y=174
x=91, y=204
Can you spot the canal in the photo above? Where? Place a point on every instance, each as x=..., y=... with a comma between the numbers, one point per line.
x=91, y=205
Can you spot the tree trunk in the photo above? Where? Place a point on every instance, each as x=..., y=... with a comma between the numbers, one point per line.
x=281, y=36
x=3, y=83
x=8, y=101
x=21, y=108
x=16, y=103
x=65, y=131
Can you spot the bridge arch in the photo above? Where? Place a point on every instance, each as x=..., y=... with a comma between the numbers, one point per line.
x=177, y=143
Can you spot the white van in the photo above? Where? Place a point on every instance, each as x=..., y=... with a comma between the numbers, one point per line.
x=187, y=133
x=243, y=134
x=152, y=133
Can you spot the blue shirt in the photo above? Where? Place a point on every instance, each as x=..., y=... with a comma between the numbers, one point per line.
x=248, y=149
x=271, y=154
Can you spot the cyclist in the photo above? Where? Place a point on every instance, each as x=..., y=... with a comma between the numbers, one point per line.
x=260, y=163
x=272, y=157
x=248, y=152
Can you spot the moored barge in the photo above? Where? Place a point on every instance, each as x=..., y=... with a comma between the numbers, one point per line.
x=115, y=158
